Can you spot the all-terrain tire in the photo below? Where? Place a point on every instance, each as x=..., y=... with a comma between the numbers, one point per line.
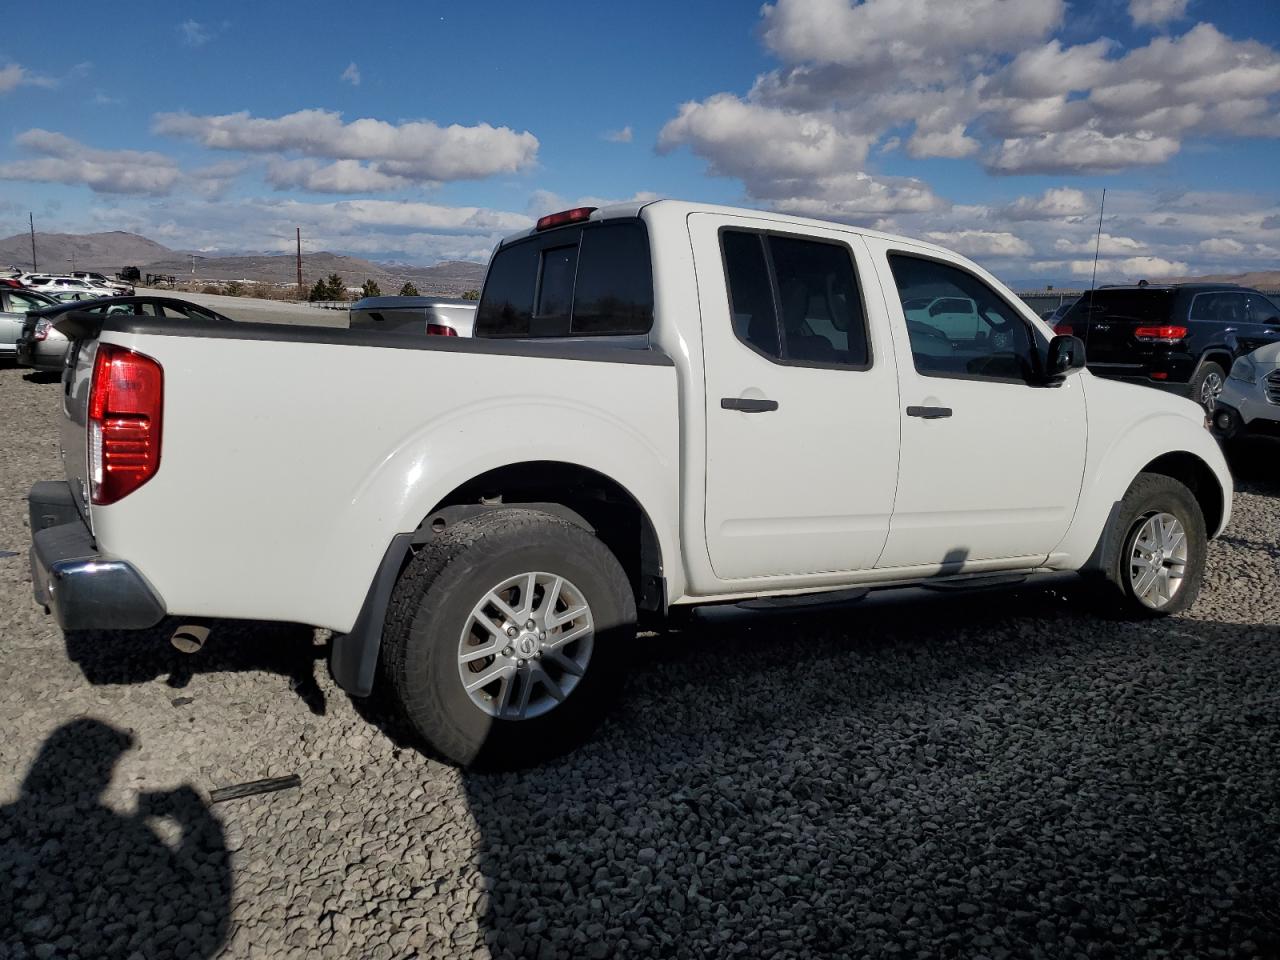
x=431, y=607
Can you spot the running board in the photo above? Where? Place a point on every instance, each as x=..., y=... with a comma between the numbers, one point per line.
x=976, y=582
x=806, y=601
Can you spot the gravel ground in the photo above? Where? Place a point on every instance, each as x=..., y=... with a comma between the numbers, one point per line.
x=1002, y=776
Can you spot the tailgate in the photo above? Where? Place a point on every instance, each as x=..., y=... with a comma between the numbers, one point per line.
x=1107, y=319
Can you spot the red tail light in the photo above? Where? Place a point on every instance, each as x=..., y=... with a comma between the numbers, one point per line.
x=440, y=330
x=1064, y=330
x=126, y=402
x=576, y=215
x=1160, y=376
x=1165, y=334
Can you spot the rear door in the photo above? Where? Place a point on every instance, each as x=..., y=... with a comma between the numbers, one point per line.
x=801, y=400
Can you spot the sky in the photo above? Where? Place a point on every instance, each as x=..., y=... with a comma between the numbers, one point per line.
x=424, y=131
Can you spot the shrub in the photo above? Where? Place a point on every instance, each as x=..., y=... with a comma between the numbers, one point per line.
x=471, y=295
x=409, y=290
x=263, y=291
x=211, y=288
x=234, y=289
x=370, y=289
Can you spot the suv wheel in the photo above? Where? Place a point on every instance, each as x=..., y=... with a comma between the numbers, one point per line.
x=1207, y=384
x=1153, y=563
x=503, y=638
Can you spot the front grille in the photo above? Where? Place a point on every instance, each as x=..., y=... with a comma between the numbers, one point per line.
x=1272, y=386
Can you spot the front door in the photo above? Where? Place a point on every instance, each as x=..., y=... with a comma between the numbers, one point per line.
x=801, y=400
x=992, y=461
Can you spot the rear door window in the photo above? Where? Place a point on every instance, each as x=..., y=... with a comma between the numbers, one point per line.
x=594, y=280
x=794, y=299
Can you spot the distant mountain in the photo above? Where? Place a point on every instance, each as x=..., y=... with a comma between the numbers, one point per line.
x=110, y=252
x=103, y=252
x=1261, y=279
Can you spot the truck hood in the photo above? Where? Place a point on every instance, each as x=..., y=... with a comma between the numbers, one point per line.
x=1131, y=401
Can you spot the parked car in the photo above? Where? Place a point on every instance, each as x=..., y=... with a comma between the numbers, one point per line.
x=102, y=281
x=42, y=346
x=48, y=284
x=1249, y=404
x=440, y=316
x=664, y=405
x=1179, y=337
x=14, y=306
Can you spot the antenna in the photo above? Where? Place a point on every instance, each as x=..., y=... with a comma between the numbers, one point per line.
x=1093, y=283
x=1097, y=247
x=32, y=222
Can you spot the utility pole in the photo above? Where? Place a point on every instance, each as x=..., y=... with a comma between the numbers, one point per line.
x=31, y=220
x=298, y=232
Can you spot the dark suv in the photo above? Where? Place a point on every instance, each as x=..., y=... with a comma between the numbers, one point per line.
x=1181, y=337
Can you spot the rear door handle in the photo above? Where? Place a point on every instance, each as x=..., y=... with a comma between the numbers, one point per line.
x=747, y=404
x=929, y=413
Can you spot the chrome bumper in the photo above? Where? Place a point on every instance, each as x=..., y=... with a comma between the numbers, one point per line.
x=70, y=578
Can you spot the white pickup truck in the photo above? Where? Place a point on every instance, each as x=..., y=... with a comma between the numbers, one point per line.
x=665, y=404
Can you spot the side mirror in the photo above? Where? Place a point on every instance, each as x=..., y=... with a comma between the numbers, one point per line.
x=1066, y=356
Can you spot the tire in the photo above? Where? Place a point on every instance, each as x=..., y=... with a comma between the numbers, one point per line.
x=1207, y=384
x=432, y=622
x=1121, y=587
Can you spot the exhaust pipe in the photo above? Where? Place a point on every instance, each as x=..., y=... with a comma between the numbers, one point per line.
x=190, y=637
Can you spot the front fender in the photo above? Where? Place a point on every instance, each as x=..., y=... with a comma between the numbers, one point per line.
x=1120, y=449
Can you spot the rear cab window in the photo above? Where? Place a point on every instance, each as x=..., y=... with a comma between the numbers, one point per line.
x=594, y=279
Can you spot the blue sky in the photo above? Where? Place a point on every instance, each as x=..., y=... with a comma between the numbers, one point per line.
x=424, y=131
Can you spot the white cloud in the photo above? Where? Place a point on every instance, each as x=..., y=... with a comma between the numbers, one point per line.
x=800, y=163
x=1156, y=13
x=60, y=159
x=194, y=33
x=619, y=136
x=14, y=75
x=415, y=150
x=1107, y=245
x=981, y=243
x=1078, y=150
x=340, y=176
x=942, y=143
x=902, y=34
x=1222, y=247
x=351, y=74
x=1053, y=204
x=1128, y=268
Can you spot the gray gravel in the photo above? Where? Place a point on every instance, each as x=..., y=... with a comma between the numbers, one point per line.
x=1001, y=776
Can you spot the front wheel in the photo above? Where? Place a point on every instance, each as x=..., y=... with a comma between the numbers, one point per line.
x=1207, y=384
x=1156, y=548
x=503, y=638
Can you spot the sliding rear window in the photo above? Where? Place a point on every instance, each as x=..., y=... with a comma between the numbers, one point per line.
x=582, y=281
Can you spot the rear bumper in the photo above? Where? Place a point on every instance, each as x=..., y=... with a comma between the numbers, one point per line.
x=49, y=354
x=82, y=588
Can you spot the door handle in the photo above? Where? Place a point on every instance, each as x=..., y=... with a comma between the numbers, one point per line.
x=929, y=413
x=747, y=404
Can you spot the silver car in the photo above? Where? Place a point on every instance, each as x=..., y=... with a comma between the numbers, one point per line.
x=440, y=316
x=42, y=346
x=14, y=306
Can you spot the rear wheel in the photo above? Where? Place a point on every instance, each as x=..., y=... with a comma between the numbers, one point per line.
x=504, y=636
x=1156, y=548
x=1207, y=384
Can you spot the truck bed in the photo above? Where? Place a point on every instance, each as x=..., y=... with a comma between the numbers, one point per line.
x=325, y=443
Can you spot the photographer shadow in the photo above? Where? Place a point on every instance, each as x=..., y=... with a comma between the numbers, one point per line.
x=140, y=656
x=80, y=877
